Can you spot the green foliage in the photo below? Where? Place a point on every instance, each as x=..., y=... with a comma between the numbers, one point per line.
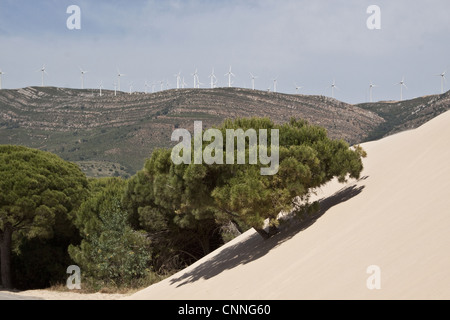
x=111, y=253
x=307, y=159
x=170, y=204
x=38, y=194
x=36, y=188
x=182, y=201
x=166, y=216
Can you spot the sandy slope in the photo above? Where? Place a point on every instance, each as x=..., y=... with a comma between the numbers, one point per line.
x=396, y=217
x=58, y=295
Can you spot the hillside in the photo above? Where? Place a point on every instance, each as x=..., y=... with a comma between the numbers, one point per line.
x=112, y=135
x=395, y=218
x=406, y=115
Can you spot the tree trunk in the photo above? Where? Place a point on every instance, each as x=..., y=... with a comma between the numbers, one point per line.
x=204, y=242
x=5, y=256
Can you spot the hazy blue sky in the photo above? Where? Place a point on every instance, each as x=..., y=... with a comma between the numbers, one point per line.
x=309, y=43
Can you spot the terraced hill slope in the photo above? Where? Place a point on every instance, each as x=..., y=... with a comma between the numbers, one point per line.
x=113, y=134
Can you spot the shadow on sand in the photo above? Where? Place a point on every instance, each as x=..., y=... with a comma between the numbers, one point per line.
x=255, y=247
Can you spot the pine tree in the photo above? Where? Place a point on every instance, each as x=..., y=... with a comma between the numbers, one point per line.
x=38, y=194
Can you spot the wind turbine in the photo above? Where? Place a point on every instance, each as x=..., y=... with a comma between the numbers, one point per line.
x=43, y=71
x=178, y=76
x=333, y=86
x=131, y=86
x=161, y=83
x=253, y=80
x=371, y=86
x=82, y=77
x=195, y=74
x=275, y=84
x=183, y=84
x=402, y=84
x=1, y=73
x=146, y=86
x=101, y=87
x=442, y=75
x=118, y=78
x=229, y=74
x=297, y=88
x=213, y=77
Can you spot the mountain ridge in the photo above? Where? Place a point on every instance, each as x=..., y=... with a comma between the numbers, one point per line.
x=113, y=134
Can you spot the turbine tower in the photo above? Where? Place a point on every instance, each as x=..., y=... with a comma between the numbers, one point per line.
x=82, y=77
x=229, y=74
x=402, y=84
x=115, y=89
x=146, y=86
x=100, y=87
x=1, y=73
x=131, y=86
x=275, y=84
x=118, y=78
x=43, y=72
x=333, y=86
x=371, y=86
x=183, y=84
x=253, y=80
x=195, y=74
x=178, y=76
x=213, y=78
x=442, y=75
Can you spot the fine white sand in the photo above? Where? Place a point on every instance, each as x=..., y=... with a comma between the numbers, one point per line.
x=396, y=217
x=62, y=295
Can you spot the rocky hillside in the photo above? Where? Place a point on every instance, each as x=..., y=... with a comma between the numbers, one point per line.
x=406, y=115
x=112, y=135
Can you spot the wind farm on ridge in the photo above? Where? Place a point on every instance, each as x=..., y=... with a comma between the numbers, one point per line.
x=215, y=83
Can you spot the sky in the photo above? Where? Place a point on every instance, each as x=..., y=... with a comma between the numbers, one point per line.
x=300, y=43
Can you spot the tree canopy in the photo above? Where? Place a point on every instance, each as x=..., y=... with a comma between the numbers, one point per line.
x=307, y=160
x=201, y=195
x=38, y=193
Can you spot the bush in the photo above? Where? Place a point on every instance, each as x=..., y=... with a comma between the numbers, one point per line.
x=111, y=252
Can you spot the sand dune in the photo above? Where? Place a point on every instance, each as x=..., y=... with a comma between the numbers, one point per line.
x=396, y=217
